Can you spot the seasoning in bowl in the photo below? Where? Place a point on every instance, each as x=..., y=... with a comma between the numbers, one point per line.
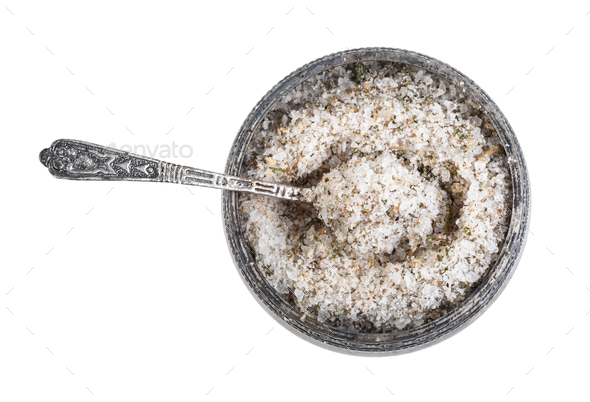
x=374, y=203
x=411, y=200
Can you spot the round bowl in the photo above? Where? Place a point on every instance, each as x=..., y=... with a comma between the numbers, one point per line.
x=395, y=342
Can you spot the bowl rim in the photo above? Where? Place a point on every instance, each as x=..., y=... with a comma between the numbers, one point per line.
x=433, y=332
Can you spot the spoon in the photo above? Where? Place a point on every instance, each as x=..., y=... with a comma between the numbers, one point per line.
x=379, y=231
x=78, y=160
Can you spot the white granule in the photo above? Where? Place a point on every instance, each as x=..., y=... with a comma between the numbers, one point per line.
x=416, y=202
x=375, y=203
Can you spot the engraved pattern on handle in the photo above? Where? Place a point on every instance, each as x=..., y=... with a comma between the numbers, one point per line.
x=77, y=160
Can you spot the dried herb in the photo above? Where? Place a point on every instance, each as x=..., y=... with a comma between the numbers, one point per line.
x=280, y=169
x=360, y=72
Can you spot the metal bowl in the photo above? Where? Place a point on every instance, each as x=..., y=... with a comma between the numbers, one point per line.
x=395, y=342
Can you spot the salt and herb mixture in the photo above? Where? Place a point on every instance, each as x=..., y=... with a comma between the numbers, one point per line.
x=375, y=203
x=411, y=200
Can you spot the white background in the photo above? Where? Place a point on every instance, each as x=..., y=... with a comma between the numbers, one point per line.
x=127, y=291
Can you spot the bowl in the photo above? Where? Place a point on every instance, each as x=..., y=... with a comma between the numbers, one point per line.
x=395, y=342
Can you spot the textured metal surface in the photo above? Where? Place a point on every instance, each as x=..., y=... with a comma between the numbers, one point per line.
x=77, y=160
x=397, y=342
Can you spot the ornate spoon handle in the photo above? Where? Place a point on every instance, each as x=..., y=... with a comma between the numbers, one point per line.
x=77, y=160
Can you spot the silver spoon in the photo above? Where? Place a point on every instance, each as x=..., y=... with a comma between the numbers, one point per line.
x=78, y=160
